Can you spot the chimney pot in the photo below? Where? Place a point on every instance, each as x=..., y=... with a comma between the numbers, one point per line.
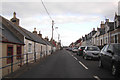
x=93, y=29
x=14, y=14
x=107, y=20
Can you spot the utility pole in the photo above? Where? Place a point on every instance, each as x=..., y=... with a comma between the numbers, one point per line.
x=52, y=29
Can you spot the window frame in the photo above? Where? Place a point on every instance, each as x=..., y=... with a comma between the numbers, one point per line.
x=29, y=48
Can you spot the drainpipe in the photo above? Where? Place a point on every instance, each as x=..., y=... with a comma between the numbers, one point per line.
x=46, y=50
x=34, y=53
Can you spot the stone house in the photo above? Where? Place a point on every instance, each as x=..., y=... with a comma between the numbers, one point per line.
x=87, y=40
x=31, y=40
x=30, y=46
x=12, y=48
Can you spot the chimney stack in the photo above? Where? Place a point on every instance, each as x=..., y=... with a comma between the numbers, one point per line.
x=14, y=20
x=93, y=29
x=40, y=35
x=46, y=38
x=107, y=20
x=102, y=24
x=35, y=32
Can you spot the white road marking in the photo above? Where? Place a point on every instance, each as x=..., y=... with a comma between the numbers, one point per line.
x=83, y=65
x=75, y=58
x=79, y=61
x=96, y=77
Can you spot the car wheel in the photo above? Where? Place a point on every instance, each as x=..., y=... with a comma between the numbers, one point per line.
x=114, y=70
x=100, y=65
x=85, y=57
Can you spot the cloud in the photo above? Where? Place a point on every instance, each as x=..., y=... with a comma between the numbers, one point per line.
x=70, y=15
x=60, y=0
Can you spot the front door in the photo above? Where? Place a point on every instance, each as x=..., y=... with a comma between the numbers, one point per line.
x=9, y=54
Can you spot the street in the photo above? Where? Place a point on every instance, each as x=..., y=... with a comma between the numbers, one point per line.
x=65, y=64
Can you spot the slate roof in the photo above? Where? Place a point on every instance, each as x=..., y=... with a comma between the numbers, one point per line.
x=111, y=26
x=8, y=36
x=101, y=30
x=27, y=34
x=48, y=43
x=33, y=37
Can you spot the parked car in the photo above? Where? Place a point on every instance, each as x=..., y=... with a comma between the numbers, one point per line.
x=75, y=49
x=91, y=52
x=80, y=50
x=110, y=58
x=70, y=49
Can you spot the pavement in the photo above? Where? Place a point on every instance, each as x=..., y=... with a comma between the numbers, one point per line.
x=63, y=64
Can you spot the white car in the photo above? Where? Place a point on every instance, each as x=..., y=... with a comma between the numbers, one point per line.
x=91, y=52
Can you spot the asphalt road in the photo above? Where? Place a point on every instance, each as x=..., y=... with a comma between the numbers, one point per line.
x=65, y=64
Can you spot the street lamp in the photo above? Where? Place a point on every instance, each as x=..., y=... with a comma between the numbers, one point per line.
x=58, y=34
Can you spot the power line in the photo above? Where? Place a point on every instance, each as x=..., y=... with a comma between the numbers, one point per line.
x=46, y=10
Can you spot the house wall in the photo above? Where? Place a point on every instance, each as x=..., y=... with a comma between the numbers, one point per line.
x=83, y=43
x=101, y=40
x=40, y=50
x=30, y=53
x=44, y=50
x=7, y=70
x=107, y=38
x=48, y=49
x=0, y=60
x=88, y=42
x=113, y=33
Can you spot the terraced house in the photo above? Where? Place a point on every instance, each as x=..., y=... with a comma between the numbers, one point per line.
x=109, y=32
x=20, y=46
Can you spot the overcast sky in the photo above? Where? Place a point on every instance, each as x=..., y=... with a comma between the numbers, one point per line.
x=74, y=18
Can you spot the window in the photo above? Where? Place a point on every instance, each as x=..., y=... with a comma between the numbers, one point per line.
x=9, y=53
x=19, y=52
x=29, y=47
x=116, y=39
x=92, y=48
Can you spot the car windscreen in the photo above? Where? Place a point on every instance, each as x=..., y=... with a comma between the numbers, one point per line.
x=93, y=49
x=82, y=48
x=116, y=48
x=75, y=48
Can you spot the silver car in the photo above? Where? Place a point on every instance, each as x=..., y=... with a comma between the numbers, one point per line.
x=91, y=52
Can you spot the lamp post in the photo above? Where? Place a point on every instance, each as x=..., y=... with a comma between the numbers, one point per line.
x=58, y=34
x=52, y=29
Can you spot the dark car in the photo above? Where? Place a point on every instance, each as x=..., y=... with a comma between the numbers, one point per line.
x=110, y=58
x=80, y=50
x=91, y=52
